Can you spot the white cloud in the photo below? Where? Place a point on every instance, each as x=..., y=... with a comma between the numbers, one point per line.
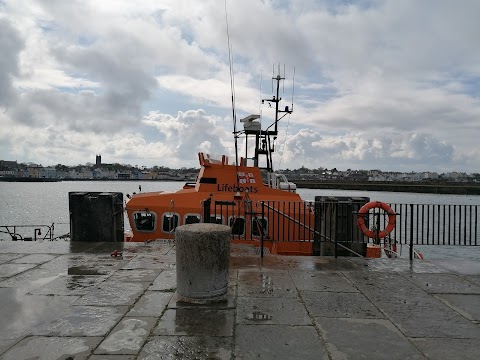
x=380, y=84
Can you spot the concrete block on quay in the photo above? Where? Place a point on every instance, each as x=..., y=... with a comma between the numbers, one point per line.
x=203, y=254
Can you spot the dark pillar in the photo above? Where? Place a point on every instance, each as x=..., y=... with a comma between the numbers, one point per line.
x=96, y=217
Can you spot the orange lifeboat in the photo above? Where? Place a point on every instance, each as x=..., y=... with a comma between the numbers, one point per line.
x=231, y=194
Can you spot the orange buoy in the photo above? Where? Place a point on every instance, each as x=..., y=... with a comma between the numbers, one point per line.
x=364, y=211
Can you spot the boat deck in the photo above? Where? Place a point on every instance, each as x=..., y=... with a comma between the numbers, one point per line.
x=67, y=300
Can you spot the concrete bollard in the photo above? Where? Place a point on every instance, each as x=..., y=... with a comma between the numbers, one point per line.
x=203, y=255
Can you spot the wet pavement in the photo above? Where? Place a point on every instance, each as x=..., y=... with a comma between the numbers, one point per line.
x=63, y=300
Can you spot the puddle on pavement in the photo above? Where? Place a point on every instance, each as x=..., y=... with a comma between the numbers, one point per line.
x=46, y=348
x=82, y=270
x=20, y=313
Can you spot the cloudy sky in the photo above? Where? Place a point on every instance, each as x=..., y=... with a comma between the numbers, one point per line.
x=379, y=84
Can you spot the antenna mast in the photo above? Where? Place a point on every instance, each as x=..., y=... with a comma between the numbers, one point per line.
x=232, y=87
x=264, y=141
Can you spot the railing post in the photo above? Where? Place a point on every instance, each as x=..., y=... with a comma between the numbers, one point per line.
x=206, y=210
x=335, y=231
x=261, y=231
x=411, y=231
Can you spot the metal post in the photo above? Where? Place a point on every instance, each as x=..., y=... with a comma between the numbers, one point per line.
x=335, y=231
x=261, y=230
x=206, y=210
x=411, y=231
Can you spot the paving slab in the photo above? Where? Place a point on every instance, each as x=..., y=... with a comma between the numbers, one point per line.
x=163, y=262
x=244, y=262
x=322, y=281
x=82, y=321
x=7, y=344
x=10, y=269
x=152, y=303
x=159, y=247
x=112, y=357
x=465, y=304
x=52, y=348
x=278, y=311
x=70, y=285
x=341, y=305
x=365, y=339
x=278, y=342
x=9, y=257
x=465, y=266
x=475, y=279
x=20, y=313
x=34, y=259
x=227, y=303
x=62, y=262
x=387, y=287
x=30, y=280
x=29, y=247
x=196, y=321
x=444, y=284
x=314, y=264
x=165, y=281
x=82, y=264
x=112, y=293
x=448, y=349
x=277, y=307
x=130, y=275
x=187, y=348
x=105, y=248
x=128, y=337
x=97, y=267
x=399, y=265
x=266, y=283
x=412, y=310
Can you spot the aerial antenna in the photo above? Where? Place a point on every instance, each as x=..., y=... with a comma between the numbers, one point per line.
x=260, y=104
x=293, y=86
x=283, y=84
x=232, y=87
x=273, y=74
x=288, y=122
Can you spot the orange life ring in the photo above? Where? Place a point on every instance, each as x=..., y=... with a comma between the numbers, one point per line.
x=364, y=211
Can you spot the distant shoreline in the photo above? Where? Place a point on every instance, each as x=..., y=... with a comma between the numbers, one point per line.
x=430, y=188
x=18, y=179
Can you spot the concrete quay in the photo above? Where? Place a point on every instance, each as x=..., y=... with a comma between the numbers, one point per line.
x=67, y=300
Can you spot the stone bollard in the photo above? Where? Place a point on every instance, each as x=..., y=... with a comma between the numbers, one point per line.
x=203, y=254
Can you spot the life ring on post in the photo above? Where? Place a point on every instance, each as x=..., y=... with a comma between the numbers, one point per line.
x=364, y=211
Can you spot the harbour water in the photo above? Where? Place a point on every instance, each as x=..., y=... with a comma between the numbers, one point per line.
x=45, y=203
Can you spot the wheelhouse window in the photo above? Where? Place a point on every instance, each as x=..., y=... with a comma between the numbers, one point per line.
x=237, y=224
x=192, y=219
x=144, y=220
x=169, y=222
x=216, y=219
x=259, y=225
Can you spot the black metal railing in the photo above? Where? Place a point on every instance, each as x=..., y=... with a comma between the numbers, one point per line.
x=34, y=232
x=427, y=224
x=336, y=222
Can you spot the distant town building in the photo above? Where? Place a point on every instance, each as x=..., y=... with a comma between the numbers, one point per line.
x=124, y=175
x=98, y=160
x=49, y=173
